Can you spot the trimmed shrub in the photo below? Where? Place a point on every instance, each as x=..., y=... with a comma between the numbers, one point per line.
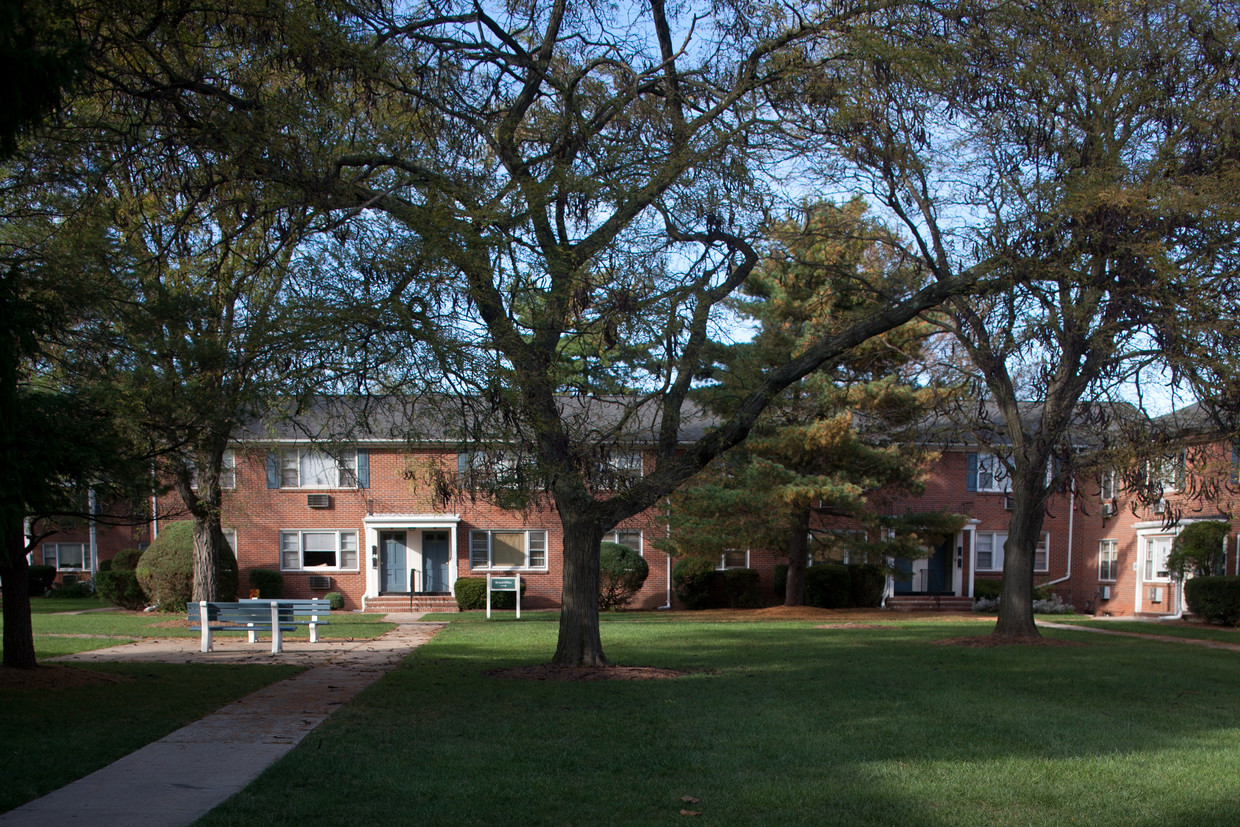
x=126, y=559
x=120, y=587
x=105, y=565
x=691, y=578
x=269, y=582
x=867, y=584
x=471, y=594
x=1214, y=599
x=991, y=589
x=335, y=600
x=1198, y=549
x=78, y=589
x=827, y=587
x=166, y=570
x=41, y=579
x=622, y=571
x=741, y=588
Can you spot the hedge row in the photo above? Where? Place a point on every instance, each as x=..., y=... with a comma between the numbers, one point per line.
x=1214, y=599
x=471, y=593
x=838, y=586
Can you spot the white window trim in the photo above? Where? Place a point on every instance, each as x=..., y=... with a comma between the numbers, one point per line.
x=344, y=463
x=723, y=560
x=1000, y=482
x=1148, y=573
x=1112, y=546
x=55, y=553
x=613, y=536
x=491, y=532
x=998, y=553
x=301, y=549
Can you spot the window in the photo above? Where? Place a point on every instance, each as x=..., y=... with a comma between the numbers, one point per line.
x=228, y=472
x=1108, y=552
x=1157, y=549
x=318, y=550
x=312, y=468
x=1167, y=472
x=985, y=472
x=734, y=559
x=507, y=549
x=625, y=537
x=66, y=556
x=990, y=551
x=1106, y=485
x=618, y=468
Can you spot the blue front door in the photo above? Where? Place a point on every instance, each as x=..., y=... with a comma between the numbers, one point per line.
x=435, y=556
x=393, y=562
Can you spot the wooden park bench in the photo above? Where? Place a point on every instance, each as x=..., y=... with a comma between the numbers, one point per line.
x=257, y=616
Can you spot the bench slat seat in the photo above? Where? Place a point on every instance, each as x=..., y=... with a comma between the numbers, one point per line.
x=255, y=616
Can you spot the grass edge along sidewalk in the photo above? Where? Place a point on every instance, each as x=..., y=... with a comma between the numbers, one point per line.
x=779, y=722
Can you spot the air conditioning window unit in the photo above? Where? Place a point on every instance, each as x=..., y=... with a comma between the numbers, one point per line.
x=320, y=581
x=1108, y=509
x=319, y=500
x=1156, y=594
x=1104, y=593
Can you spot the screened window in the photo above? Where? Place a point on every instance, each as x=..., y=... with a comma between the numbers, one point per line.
x=507, y=549
x=734, y=559
x=1108, y=551
x=318, y=550
x=632, y=539
x=312, y=468
x=66, y=556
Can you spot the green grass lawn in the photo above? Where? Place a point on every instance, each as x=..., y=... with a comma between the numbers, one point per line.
x=776, y=723
x=51, y=737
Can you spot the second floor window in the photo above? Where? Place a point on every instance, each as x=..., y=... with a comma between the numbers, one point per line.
x=986, y=472
x=315, y=468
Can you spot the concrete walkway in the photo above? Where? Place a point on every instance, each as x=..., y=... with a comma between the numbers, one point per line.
x=1191, y=641
x=189, y=772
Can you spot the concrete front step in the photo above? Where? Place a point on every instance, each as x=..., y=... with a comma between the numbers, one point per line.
x=929, y=603
x=420, y=603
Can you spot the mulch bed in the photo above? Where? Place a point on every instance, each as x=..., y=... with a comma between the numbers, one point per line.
x=55, y=676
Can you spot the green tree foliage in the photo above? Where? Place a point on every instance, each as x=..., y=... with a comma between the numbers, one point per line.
x=622, y=571
x=1199, y=550
x=815, y=469
x=1085, y=152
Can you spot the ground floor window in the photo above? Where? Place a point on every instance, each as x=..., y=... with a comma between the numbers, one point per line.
x=625, y=537
x=507, y=549
x=318, y=550
x=1108, y=551
x=990, y=544
x=734, y=559
x=1157, y=549
x=66, y=556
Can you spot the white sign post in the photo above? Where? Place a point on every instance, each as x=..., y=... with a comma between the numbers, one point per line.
x=504, y=584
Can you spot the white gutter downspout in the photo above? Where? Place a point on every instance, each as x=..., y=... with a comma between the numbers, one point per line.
x=94, y=545
x=1071, y=524
x=667, y=529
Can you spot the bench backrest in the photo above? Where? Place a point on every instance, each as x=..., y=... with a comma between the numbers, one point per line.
x=238, y=613
x=303, y=607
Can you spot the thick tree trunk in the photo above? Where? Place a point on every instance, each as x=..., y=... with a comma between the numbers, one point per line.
x=579, y=642
x=798, y=559
x=207, y=540
x=15, y=572
x=1016, y=598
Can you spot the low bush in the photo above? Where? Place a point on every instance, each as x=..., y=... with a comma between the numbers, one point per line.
x=77, y=589
x=622, y=571
x=868, y=582
x=269, y=582
x=1053, y=605
x=166, y=570
x=1214, y=599
x=827, y=587
x=471, y=594
x=691, y=578
x=335, y=600
x=991, y=589
x=41, y=579
x=120, y=587
x=126, y=559
x=741, y=588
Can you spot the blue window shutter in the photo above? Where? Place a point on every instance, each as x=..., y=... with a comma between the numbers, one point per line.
x=273, y=470
x=363, y=468
x=970, y=477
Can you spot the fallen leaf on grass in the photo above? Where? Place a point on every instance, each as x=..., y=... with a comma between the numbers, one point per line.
x=688, y=799
x=690, y=812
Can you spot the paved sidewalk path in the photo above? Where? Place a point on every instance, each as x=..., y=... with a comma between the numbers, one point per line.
x=1209, y=644
x=181, y=777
